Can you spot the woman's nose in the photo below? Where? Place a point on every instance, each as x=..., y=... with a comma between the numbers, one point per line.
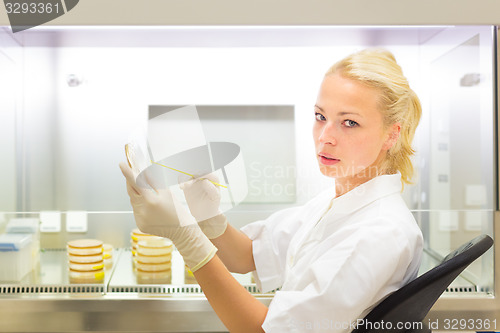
x=328, y=134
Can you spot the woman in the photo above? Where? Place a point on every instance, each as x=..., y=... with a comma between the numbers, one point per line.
x=342, y=252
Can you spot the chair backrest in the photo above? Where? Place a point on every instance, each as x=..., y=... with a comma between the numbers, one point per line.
x=409, y=305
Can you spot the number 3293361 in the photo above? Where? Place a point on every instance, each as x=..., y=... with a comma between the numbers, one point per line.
x=32, y=8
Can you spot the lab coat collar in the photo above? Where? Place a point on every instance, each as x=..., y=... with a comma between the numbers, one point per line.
x=341, y=207
x=366, y=193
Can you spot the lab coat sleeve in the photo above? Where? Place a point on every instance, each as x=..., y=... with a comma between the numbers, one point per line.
x=342, y=283
x=270, y=241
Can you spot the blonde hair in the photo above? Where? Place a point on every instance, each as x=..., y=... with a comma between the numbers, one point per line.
x=378, y=68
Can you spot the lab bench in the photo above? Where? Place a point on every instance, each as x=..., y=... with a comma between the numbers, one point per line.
x=46, y=301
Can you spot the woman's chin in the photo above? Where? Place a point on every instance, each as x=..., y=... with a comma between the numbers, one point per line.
x=329, y=171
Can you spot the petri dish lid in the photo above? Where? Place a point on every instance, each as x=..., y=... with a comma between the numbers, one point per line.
x=136, y=235
x=166, y=271
x=156, y=242
x=84, y=243
x=136, y=231
x=91, y=258
x=14, y=242
x=86, y=267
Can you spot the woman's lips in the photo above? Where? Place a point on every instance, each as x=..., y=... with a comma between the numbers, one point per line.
x=327, y=159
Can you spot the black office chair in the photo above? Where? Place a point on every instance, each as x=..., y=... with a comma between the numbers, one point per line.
x=408, y=306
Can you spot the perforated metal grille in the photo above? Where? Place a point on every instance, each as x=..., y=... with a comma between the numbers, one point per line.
x=100, y=289
x=167, y=289
x=471, y=289
x=60, y=289
x=163, y=289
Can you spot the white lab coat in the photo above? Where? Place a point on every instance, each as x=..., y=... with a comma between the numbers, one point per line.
x=333, y=265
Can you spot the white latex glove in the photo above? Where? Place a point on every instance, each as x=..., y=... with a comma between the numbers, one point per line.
x=159, y=213
x=203, y=198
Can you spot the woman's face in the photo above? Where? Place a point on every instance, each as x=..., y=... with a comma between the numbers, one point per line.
x=348, y=131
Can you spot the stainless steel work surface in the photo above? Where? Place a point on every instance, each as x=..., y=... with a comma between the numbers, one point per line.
x=46, y=301
x=51, y=276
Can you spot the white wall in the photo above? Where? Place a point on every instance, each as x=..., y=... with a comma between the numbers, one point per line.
x=39, y=125
x=8, y=175
x=95, y=119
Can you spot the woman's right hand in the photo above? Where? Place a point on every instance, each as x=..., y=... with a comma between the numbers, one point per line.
x=158, y=212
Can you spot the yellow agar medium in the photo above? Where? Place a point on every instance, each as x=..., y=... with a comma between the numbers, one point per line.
x=186, y=173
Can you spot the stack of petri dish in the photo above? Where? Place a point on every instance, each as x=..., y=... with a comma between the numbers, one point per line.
x=135, y=236
x=85, y=261
x=153, y=261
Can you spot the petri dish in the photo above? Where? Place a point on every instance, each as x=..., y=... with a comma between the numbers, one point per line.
x=84, y=247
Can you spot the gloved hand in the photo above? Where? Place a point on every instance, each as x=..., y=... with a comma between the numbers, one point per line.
x=203, y=198
x=159, y=213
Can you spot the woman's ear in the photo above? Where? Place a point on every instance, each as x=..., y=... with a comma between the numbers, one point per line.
x=393, y=136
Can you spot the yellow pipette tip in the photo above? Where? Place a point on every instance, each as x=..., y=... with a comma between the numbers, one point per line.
x=174, y=169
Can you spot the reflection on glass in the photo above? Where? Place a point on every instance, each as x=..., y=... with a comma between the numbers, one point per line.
x=60, y=151
x=459, y=170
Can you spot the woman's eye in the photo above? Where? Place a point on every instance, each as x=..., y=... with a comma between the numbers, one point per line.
x=319, y=116
x=350, y=123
